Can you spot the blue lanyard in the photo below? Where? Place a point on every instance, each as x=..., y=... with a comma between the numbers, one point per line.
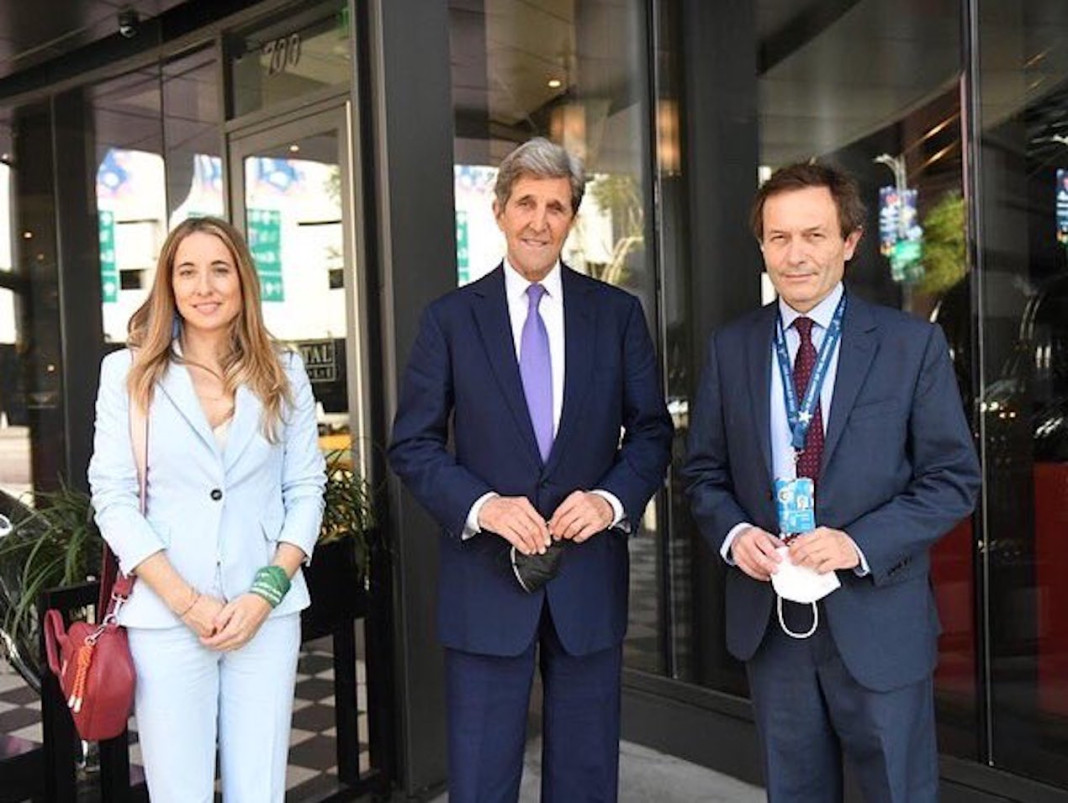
x=799, y=420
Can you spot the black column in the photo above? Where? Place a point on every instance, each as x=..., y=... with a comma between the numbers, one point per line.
x=720, y=157
x=36, y=261
x=78, y=252
x=412, y=142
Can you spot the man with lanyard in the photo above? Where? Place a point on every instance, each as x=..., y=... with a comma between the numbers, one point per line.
x=828, y=451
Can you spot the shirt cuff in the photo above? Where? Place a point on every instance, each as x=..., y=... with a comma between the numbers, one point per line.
x=862, y=569
x=471, y=528
x=725, y=550
x=617, y=510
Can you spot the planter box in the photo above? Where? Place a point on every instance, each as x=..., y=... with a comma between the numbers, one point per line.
x=336, y=588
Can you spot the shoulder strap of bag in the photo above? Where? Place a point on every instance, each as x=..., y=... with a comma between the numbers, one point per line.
x=55, y=635
x=115, y=587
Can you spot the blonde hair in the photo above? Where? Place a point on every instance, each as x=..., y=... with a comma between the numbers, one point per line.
x=253, y=356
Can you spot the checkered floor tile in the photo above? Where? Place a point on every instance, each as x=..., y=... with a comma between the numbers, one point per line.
x=312, y=770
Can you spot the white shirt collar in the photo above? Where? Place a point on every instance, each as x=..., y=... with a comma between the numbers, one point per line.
x=822, y=313
x=515, y=286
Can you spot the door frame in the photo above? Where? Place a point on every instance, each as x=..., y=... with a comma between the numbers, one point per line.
x=330, y=115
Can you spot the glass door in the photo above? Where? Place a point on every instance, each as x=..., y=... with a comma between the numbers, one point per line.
x=291, y=193
x=292, y=196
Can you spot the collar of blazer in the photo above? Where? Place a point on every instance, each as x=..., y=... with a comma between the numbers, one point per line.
x=856, y=351
x=580, y=329
x=177, y=386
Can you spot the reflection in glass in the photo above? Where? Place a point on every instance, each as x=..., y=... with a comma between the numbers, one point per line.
x=1024, y=82
x=132, y=218
x=16, y=478
x=889, y=112
x=293, y=220
x=191, y=119
x=297, y=53
x=131, y=192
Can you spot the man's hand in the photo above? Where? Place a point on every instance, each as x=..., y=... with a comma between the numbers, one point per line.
x=581, y=515
x=515, y=520
x=753, y=551
x=238, y=622
x=824, y=550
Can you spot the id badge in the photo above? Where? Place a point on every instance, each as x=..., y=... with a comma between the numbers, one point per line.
x=794, y=501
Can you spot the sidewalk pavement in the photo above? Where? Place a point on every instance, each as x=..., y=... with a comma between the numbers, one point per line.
x=647, y=776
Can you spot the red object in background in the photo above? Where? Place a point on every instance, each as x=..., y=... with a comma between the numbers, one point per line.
x=1051, y=582
x=952, y=573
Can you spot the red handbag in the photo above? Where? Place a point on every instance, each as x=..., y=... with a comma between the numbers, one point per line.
x=93, y=661
x=94, y=665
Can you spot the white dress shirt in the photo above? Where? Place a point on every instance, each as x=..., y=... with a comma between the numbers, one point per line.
x=552, y=313
x=784, y=465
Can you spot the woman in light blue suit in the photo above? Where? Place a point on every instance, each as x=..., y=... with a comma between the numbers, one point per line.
x=234, y=500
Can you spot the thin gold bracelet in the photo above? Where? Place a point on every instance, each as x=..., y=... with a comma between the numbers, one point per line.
x=189, y=607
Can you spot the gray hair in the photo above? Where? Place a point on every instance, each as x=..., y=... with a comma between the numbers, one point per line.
x=539, y=158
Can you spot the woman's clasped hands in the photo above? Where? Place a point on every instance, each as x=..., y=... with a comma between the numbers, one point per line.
x=225, y=626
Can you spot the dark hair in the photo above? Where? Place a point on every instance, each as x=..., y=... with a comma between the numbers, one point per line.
x=540, y=158
x=842, y=186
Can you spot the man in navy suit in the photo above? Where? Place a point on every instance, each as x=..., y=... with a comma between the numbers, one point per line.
x=560, y=437
x=853, y=407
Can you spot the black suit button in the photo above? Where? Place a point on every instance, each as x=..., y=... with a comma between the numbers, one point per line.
x=216, y=494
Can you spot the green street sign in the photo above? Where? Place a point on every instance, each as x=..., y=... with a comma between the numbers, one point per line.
x=109, y=271
x=265, y=244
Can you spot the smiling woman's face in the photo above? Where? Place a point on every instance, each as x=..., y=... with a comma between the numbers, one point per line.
x=207, y=290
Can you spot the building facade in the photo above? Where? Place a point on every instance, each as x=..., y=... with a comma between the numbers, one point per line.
x=355, y=143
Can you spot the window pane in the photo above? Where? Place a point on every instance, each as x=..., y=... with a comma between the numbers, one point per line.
x=191, y=120
x=131, y=192
x=889, y=112
x=1024, y=119
x=15, y=469
x=297, y=53
x=874, y=87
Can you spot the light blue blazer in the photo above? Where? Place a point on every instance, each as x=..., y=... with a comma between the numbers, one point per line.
x=218, y=514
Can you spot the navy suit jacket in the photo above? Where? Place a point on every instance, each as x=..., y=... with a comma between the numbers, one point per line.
x=463, y=367
x=898, y=471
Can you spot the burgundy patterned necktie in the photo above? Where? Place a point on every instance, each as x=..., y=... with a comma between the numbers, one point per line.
x=808, y=462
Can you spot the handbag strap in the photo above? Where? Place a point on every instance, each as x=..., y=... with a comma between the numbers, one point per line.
x=55, y=633
x=115, y=587
x=139, y=439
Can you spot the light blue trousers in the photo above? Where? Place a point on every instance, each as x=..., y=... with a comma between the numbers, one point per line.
x=189, y=697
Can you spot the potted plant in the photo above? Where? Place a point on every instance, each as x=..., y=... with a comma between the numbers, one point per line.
x=338, y=576
x=54, y=544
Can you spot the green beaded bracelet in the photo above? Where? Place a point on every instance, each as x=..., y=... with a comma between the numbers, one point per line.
x=271, y=583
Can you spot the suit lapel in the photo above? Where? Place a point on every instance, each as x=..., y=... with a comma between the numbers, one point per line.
x=246, y=421
x=760, y=367
x=855, y=354
x=580, y=338
x=490, y=309
x=177, y=386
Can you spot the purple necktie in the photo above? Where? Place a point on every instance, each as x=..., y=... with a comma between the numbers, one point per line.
x=535, y=367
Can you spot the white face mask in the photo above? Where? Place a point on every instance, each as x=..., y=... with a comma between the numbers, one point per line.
x=803, y=585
